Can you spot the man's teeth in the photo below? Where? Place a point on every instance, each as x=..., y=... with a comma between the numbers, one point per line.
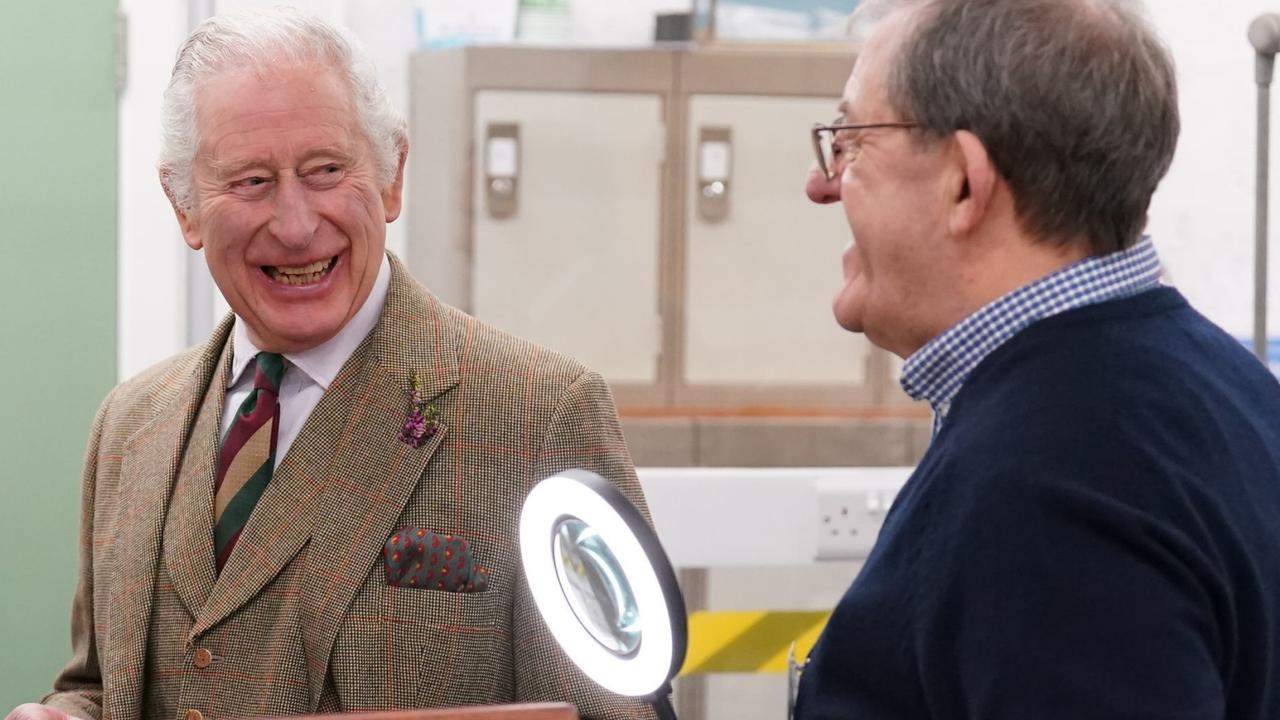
x=314, y=267
x=303, y=275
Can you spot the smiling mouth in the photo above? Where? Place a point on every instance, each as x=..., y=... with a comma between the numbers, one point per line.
x=301, y=275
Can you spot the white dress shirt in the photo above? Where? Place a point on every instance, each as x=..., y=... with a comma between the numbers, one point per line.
x=308, y=373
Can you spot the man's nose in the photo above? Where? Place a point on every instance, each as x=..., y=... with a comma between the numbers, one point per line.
x=819, y=188
x=293, y=221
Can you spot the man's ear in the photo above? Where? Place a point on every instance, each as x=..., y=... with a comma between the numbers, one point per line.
x=186, y=219
x=975, y=184
x=392, y=195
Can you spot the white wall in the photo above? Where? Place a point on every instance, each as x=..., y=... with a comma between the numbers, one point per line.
x=151, y=259
x=1201, y=217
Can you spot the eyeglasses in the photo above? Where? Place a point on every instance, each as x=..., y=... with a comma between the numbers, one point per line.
x=835, y=147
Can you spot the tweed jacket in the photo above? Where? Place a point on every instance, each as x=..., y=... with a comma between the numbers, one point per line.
x=302, y=618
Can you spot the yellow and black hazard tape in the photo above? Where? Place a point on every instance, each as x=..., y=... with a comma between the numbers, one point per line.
x=749, y=641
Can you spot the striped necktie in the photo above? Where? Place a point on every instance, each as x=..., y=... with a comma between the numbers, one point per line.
x=247, y=457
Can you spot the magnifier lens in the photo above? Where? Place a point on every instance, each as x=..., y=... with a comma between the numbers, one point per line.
x=595, y=586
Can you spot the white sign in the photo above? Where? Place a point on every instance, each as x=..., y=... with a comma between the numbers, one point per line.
x=500, y=159
x=713, y=161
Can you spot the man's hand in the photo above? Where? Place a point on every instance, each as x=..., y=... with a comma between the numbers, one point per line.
x=36, y=711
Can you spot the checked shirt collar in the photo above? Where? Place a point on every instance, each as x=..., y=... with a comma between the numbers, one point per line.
x=936, y=371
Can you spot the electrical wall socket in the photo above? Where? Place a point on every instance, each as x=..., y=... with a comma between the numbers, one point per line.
x=849, y=518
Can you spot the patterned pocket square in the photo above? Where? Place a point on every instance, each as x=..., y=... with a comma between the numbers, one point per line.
x=420, y=558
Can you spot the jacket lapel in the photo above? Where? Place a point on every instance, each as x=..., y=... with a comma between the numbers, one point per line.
x=188, y=552
x=150, y=463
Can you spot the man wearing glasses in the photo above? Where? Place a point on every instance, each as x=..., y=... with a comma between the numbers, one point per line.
x=1095, y=529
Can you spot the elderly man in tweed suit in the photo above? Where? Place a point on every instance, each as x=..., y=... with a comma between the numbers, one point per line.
x=316, y=510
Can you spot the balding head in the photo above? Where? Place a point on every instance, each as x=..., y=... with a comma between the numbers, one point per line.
x=1075, y=100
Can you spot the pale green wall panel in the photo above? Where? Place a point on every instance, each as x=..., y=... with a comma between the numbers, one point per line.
x=58, y=119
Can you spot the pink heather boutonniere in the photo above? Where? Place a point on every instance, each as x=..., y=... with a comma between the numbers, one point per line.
x=423, y=420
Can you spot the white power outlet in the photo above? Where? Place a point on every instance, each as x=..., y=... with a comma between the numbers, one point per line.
x=849, y=519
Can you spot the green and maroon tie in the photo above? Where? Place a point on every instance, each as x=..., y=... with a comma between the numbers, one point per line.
x=247, y=457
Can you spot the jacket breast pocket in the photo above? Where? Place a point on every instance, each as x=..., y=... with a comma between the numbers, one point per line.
x=404, y=648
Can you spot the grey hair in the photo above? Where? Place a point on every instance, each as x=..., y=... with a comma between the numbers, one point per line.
x=263, y=40
x=1075, y=101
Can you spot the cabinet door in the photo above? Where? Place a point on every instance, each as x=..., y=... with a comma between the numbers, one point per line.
x=571, y=261
x=759, y=279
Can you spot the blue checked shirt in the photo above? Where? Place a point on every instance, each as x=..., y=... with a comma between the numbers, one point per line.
x=936, y=371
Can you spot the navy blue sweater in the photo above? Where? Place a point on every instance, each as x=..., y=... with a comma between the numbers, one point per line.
x=1095, y=533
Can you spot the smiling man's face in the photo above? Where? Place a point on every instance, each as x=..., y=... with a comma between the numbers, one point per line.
x=289, y=208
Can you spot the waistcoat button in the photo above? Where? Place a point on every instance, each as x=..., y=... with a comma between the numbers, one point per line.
x=202, y=660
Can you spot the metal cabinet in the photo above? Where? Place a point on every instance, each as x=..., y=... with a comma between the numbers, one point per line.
x=572, y=262
x=642, y=210
x=760, y=278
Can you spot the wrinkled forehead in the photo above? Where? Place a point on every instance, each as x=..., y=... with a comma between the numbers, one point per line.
x=245, y=119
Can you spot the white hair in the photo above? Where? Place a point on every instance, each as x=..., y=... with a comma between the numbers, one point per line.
x=263, y=40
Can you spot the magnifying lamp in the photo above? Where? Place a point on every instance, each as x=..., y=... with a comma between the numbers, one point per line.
x=604, y=586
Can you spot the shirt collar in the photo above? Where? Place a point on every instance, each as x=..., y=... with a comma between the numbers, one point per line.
x=322, y=362
x=937, y=370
